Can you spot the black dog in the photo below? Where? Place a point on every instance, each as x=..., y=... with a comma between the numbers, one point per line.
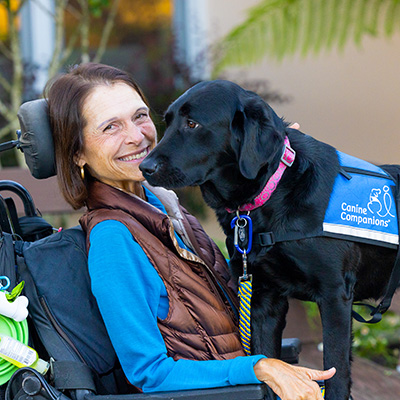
x=230, y=142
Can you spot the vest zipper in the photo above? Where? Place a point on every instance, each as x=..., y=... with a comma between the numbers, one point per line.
x=368, y=173
x=218, y=289
x=191, y=256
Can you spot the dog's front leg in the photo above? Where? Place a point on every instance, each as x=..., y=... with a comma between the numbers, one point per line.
x=336, y=325
x=268, y=319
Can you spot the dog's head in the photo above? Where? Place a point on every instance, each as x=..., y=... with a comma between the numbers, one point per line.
x=216, y=131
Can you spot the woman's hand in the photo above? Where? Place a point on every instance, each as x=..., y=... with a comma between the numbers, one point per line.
x=290, y=382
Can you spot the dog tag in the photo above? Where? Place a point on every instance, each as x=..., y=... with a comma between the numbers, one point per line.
x=243, y=233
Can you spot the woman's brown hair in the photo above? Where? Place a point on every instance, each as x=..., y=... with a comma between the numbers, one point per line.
x=66, y=95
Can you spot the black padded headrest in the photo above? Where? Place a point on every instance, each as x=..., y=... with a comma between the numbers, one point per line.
x=36, y=140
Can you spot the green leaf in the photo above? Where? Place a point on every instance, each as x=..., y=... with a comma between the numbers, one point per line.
x=361, y=21
x=346, y=21
x=333, y=23
x=392, y=18
x=96, y=7
x=376, y=12
x=291, y=15
x=278, y=28
x=321, y=27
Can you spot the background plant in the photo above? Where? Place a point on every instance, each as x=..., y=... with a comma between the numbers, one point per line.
x=279, y=28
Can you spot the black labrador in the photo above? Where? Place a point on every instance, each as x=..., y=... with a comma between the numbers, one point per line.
x=229, y=142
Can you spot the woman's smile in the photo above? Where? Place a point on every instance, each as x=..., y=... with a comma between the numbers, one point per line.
x=136, y=157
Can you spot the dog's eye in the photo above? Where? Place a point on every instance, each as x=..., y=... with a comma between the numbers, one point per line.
x=191, y=124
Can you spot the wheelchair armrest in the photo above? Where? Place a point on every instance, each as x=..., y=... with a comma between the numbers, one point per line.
x=241, y=392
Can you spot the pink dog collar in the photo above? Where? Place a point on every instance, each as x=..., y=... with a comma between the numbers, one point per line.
x=287, y=160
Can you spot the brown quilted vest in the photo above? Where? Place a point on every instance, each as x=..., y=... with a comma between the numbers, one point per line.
x=200, y=324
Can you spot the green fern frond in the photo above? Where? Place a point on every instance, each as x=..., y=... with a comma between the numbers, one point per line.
x=392, y=18
x=321, y=26
x=333, y=23
x=279, y=28
x=348, y=18
x=376, y=15
x=360, y=21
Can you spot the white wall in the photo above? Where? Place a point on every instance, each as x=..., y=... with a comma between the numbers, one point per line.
x=350, y=99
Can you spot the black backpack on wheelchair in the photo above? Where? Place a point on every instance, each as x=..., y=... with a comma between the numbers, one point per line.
x=65, y=325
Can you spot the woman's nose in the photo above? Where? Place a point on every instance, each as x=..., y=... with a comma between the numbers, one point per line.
x=133, y=134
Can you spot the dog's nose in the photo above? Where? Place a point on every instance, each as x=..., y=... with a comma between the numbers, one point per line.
x=148, y=166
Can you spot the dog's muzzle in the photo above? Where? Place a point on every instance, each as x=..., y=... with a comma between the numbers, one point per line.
x=150, y=167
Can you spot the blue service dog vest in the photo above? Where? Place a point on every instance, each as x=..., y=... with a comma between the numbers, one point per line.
x=362, y=205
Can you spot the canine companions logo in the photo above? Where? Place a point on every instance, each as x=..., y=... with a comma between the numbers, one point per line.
x=387, y=201
x=362, y=204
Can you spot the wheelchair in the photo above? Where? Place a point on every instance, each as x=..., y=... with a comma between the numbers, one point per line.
x=65, y=326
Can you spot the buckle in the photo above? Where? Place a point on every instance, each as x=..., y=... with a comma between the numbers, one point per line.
x=245, y=278
x=288, y=156
x=266, y=239
x=381, y=309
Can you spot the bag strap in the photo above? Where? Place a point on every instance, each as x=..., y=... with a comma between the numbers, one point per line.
x=70, y=375
x=7, y=258
x=268, y=239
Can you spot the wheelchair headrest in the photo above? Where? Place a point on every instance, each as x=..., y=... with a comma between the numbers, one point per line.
x=36, y=139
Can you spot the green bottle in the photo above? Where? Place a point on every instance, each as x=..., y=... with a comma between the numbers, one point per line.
x=21, y=355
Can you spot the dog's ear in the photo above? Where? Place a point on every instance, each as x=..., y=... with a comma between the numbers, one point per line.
x=256, y=136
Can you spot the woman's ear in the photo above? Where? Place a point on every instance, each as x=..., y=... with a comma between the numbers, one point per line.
x=79, y=160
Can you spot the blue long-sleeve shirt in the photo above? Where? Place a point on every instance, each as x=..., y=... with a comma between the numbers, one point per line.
x=131, y=296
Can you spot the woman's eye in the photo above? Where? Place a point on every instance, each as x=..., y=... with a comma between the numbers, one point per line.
x=191, y=124
x=108, y=127
x=141, y=116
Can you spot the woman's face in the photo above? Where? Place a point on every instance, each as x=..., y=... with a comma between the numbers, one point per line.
x=118, y=135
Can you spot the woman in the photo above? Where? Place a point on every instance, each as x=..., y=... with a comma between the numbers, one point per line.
x=161, y=284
